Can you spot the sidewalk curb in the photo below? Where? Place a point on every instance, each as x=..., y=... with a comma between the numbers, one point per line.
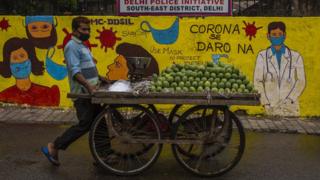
x=288, y=125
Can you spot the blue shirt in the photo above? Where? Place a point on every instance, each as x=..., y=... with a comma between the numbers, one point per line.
x=278, y=54
x=79, y=60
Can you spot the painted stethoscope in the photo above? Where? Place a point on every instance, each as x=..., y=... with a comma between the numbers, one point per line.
x=269, y=73
x=163, y=36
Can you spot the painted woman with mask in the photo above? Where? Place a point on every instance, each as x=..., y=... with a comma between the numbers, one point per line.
x=19, y=60
x=279, y=74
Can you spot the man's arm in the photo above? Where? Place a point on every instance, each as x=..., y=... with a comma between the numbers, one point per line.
x=95, y=60
x=73, y=65
x=104, y=80
x=79, y=77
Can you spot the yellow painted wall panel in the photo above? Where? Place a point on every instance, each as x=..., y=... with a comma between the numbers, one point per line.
x=180, y=44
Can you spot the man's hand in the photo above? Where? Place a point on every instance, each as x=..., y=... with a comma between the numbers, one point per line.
x=105, y=80
x=79, y=77
x=92, y=89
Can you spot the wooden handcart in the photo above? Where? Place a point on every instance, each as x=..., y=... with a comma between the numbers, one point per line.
x=206, y=138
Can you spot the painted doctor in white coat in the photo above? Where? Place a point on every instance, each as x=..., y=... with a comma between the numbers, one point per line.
x=279, y=74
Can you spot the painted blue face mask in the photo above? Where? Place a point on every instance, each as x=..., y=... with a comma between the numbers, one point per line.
x=163, y=36
x=21, y=70
x=56, y=71
x=276, y=41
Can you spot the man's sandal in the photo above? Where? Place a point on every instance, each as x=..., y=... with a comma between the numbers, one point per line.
x=53, y=160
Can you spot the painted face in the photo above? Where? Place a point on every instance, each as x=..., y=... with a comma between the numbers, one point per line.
x=19, y=56
x=20, y=64
x=276, y=33
x=276, y=37
x=40, y=29
x=119, y=69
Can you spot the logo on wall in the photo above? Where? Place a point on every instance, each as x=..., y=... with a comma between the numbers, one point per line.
x=251, y=29
x=107, y=38
x=216, y=57
x=4, y=24
x=164, y=36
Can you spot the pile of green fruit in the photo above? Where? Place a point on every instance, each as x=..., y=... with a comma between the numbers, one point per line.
x=221, y=78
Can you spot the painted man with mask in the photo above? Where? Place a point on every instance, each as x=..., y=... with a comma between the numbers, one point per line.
x=83, y=78
x=279, y=74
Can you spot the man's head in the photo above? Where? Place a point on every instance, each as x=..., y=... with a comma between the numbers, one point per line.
x=81, y=28
x=276, y=33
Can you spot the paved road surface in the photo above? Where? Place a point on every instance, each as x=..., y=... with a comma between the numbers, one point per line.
x=267, y=156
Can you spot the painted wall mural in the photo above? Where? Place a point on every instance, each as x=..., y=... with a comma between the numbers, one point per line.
x=163, y=36
x=279, y=74
x=4, y=24
x=20, y=61
x=41, y=31
x=121, y=68
x=281, y=62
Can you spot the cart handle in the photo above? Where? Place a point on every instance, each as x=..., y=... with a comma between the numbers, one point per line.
x=82, y=96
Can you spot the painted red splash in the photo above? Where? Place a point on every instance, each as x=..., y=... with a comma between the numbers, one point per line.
x=251, y=29
x=107, y=38
x=67, y=38
x=4, y=24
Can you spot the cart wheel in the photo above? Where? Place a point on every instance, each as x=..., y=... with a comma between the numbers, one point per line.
x=202, y=123
x=118, y=139
x=173, y=114
x=219, y=146
x=162, y=120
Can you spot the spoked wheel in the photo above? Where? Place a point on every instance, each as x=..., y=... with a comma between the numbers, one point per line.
x=163, y=123
x=123, y=139
x=216, y=140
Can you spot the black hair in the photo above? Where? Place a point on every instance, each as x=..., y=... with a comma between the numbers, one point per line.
x=132, y=50
x=78, y=20
x=276, y=25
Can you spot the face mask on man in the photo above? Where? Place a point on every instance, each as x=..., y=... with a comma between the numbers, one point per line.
x=21, y=70
x=276, y=41
x=84, y=37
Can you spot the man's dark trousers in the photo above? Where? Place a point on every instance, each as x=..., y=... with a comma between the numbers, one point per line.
x=86, y=114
